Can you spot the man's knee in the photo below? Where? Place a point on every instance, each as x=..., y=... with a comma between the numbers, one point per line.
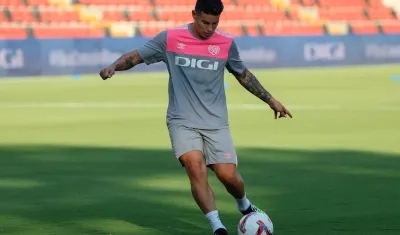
x=195, y=166
x=226, y=173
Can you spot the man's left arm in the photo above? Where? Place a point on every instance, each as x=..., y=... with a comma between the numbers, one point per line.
x=249, y=81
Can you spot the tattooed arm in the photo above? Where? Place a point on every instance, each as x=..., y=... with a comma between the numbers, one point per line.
x=152, y=52
x=251, y=83
x=127, y=61
x=236, y=67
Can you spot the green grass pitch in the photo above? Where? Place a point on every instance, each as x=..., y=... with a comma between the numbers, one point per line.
x=86, y=156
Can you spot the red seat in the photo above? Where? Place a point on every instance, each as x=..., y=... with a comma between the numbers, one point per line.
x=340, y=14
x=22, y=14
x=252, y=30
x=150, y=30
x=8, y=32
x=54, y=14
x=364, y=27
x=113, y=15
x=292, y=29
x=37, y=2
x=67, y=31
x=163, y=15
x=232, y=29
x=139, y=15
x=115, y=2
x=173, y=2
x=342, y=3
x=375, y=3
x=308, y=2
x=390, y=27
x=11, y=3
x=252, y=2
x=3, y=18
x=380, y=13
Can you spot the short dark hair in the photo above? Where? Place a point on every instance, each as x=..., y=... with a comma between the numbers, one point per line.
x=212, y=7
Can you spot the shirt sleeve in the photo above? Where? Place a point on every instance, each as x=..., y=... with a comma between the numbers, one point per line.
x=234, y=64
x=154, y=50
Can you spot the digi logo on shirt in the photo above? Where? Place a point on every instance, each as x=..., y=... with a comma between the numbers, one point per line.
x=196, y=63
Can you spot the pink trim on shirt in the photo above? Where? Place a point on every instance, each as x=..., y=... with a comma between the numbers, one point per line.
x=180, y=40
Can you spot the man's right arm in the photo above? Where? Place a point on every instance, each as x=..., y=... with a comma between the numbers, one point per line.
x=127, y=61
x=152, y=52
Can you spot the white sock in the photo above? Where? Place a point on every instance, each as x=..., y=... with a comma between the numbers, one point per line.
x=243, y=204
x=214, y=220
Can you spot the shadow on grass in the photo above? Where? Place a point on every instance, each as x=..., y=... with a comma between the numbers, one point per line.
x=85, y=190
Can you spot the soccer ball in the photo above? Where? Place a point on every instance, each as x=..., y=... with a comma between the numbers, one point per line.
x=255, y=223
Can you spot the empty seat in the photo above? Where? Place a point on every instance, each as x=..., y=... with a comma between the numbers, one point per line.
x=138, y=15
x=152, y=29
x=308, y=2
x=342, y=3
x=234, y=29
x=365, y=27
x=113, y=15
x=22, y=14
x=37, y=2
x=163, y=15
x=231, y=15
x=66, y=31
x=11, y=3
x=3, y=17
x=252, y=2
x=341, y=14
x=375, y=3
x=292, y=29
x=380, y=13
x=390, y=27
x=9, y=32
x=252, y=30
x=55, y=14
x=173, y=2
x=115, y=2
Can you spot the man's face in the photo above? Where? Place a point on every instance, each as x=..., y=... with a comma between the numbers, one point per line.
x=205, y=24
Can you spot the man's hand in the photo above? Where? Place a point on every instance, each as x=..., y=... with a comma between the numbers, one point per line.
x=125, y=62
x=250, y=82
x=279, y=108
x=107, y=72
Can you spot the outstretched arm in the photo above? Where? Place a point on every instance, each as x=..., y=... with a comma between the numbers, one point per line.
x=251, y=83
x=127, y=61
x=152, y=52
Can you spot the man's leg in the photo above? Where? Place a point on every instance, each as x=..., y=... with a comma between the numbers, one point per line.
x=222, y=159
x=202, y=193
x=233, y=182
x=187, y=144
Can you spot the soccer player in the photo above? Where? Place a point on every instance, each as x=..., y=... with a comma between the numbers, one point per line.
x=197, y=118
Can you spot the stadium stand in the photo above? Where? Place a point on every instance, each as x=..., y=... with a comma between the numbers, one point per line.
x=21, y=19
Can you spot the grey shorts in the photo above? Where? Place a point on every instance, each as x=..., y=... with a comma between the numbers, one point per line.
x=216, y=145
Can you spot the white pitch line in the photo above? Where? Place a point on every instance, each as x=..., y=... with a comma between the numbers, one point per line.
x=110, y=105
x=119, y=105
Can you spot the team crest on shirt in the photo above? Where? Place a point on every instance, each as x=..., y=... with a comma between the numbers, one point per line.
x=181, y=46
x=213, y=49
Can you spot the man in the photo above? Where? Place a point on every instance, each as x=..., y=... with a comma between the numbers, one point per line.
x=197, y=118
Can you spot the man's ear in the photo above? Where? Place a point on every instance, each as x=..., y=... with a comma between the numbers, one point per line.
x=194, y=14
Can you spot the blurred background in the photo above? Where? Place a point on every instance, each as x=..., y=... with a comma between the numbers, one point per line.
x=21, y=19
x=83, y=156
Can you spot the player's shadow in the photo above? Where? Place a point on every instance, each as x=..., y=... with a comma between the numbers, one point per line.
x=88, y=190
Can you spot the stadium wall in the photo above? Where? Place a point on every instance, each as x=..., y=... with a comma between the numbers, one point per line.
x=82, y=56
